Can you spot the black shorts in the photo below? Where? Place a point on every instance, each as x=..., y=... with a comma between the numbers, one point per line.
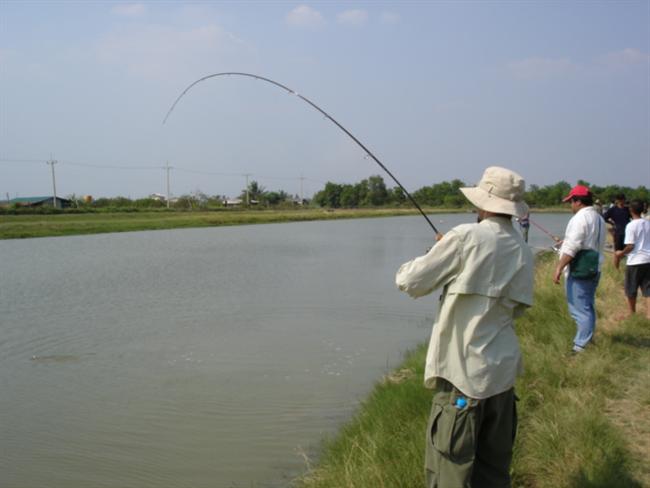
x=637, y=276
x=619, y=242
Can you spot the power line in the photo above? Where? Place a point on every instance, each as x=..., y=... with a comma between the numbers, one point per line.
x=153, y=167
x=196, y=171
x=156, y=167
x=111, y=166
x=15, y=160
x=74, y=163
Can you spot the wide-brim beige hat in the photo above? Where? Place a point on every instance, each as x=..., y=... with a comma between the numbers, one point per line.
x=499, y=191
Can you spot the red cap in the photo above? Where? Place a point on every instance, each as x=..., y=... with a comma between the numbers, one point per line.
x=578, y=191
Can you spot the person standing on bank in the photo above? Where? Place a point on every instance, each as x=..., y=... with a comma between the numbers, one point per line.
x=619, y=216
x=582, y=250
x=524, y=223
x=637, y=250
x=485, y=271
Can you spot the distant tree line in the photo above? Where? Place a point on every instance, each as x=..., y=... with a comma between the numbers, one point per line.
x=551, y=195
x=369, y=192
x=372, y=192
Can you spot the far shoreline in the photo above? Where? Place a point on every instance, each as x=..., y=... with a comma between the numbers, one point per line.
x=68, y=223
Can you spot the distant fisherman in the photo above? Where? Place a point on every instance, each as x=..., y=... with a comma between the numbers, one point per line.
x=485, y=271
x=524, y=223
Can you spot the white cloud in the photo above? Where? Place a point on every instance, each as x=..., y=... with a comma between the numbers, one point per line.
x=352, y=17
x=129, y=9
x=542, y=68
x=626, y=57
x=157, y=50
x=305, y=16
x=389, y=18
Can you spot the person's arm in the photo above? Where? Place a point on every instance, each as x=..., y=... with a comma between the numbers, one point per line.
x=625, y=251
x=618, y=255
x=572, y=243
x=629, y=245
x=564, y=260
x=426, y=273
x=608, y=215
x=574, y=237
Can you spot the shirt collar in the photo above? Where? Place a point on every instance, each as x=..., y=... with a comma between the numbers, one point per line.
x=498, y=220
x=587, y=209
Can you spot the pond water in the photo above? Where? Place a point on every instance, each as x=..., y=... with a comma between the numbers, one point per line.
x=214, y=357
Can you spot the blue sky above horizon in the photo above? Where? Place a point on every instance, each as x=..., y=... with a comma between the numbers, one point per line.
x=437, y=90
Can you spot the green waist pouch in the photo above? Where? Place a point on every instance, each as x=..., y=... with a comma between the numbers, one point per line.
x=584, y=265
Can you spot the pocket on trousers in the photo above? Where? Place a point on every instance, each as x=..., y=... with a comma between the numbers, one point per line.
x=434, y=417
x=453, y=432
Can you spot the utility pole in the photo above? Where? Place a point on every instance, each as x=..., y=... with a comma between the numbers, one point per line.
x=167, y=167
x=302, y=178
x=248, y=200
x=52, y=162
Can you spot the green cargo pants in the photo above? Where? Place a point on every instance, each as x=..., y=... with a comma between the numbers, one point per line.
x=469, y=441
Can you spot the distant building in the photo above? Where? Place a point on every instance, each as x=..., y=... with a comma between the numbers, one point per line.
x=41, y=202
x=235, y=202
x=232, y=202
x=159, y=197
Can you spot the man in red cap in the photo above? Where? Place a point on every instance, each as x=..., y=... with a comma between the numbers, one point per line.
x=582, y=250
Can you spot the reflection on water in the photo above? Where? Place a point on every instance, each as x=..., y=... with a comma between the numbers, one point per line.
x=200, y=357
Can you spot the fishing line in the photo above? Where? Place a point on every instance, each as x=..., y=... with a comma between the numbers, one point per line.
x=556, y=247
x=554, y=237
x=328, y=116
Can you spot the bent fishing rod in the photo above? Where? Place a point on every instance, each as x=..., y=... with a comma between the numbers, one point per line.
x=313, y=105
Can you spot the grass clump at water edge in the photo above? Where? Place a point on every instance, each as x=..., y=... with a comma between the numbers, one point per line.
x=584, y=421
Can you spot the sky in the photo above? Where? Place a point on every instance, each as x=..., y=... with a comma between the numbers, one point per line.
x=437, y=90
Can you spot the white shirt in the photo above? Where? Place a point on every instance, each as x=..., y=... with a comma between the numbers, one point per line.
x=585, y=230
x=486, y=270
x=637, y=232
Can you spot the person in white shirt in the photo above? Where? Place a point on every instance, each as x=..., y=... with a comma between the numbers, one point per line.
x=585, y=232
x=485, y=271
x=637, y=250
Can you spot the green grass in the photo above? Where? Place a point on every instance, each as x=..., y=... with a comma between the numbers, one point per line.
x=579, y=417
x=23, y=226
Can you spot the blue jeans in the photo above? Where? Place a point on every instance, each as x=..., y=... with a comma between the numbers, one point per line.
x=581, y=296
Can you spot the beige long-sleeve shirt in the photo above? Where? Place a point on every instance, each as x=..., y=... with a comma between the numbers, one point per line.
x=486, y=272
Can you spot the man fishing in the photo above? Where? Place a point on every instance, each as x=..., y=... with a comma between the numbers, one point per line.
x=582, y=252
x=485, y=271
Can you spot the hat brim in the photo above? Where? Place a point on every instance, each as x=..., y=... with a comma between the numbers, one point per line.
x=492, y=203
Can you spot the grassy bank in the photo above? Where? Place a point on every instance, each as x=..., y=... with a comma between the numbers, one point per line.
x=22, y=226
x=583, y=421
